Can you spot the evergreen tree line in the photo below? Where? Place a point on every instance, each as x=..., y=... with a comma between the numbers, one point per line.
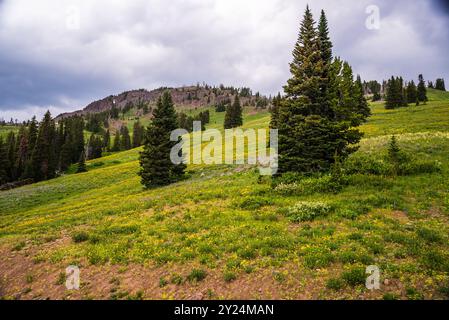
x=439, y=85
x=400, y=94
x=122, y=139
x=40, y=150
x=234, y=117
x=323, y=105
x=186, y=122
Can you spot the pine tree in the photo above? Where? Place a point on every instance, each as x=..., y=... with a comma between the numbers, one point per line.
x=315, y=121
x=81, y=163
x=362, y=109
x=422, y=91
x=138, y=132
x=439, y=85
x=3, y=162
x=412, y=93
x=95, y=147
x=395, y=155
x=22, y=152
x=107, y=140
x=233, y=117
x=11, y=154
x=275, y=112
x=125, y=139
x=116, y=143
x=43, y=162
x=157, y=168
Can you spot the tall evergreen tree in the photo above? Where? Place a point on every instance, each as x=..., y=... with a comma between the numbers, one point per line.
x=412, y=93
x=116, y=143
x=3, y=162
x=22, y=152
x=107, y=140
x=317, y=116
x=439, y=85
x=233, y=117
x=157, y=168
x=82, y=163
x=43, y=162
x=422, y=91
x=274, y=123
x=138, y=133
x=11, y=153
x=125, y=139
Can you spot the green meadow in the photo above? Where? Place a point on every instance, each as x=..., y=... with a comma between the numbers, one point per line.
x=225, y=232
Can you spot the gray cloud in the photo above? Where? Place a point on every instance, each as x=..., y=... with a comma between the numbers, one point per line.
x=47, y=63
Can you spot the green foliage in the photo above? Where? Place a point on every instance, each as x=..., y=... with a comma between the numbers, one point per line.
x=439, y=85
x=233, y=117
x=157, y=168
x=323, y=105
x=80, y=236
x=138, y=134
x=422, y=91
x=354, y=276
x=197, y=275
x=229, y=276
x=81, y=167
x=307, y=211
x=335, y=284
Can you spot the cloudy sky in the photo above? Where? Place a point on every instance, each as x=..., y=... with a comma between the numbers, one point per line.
x=62, y=54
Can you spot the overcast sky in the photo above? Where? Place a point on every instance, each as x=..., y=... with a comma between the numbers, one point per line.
x=62, y=54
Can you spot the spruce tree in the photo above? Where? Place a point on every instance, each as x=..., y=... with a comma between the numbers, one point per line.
x=233, y=117
x=439, y=85
x=315, y=122
x=22, y=152
x=81, y=167
x=43, y=162
x=275, y=112
x=412, y=93
x=157, y=168
x=116, y=143
x=125, y=139
x=3, y=162
x=107, y=140
x=138, y=132
x=11, y=153
x=422, y=91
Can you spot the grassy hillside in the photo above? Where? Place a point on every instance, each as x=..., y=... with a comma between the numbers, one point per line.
x=225, y=233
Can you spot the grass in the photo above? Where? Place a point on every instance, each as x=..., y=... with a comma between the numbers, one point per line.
x=224, y=221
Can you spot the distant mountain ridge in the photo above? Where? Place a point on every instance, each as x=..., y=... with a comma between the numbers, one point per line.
x=183, y=97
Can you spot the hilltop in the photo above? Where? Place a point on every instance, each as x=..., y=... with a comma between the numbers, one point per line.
x=188, y=97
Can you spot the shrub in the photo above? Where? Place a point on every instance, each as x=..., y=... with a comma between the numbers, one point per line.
x=435, y=260
x=229, y=276
x=429, y=235
x=80, y=236
x=197, y=275
x=354, y=276
x=307, y=211
x=307, y=186
x=253, y=203
x=162, y=282
x=177, y=279
x=361, y=163
x=420, y=167
x=335, y=284
x=315, y=258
